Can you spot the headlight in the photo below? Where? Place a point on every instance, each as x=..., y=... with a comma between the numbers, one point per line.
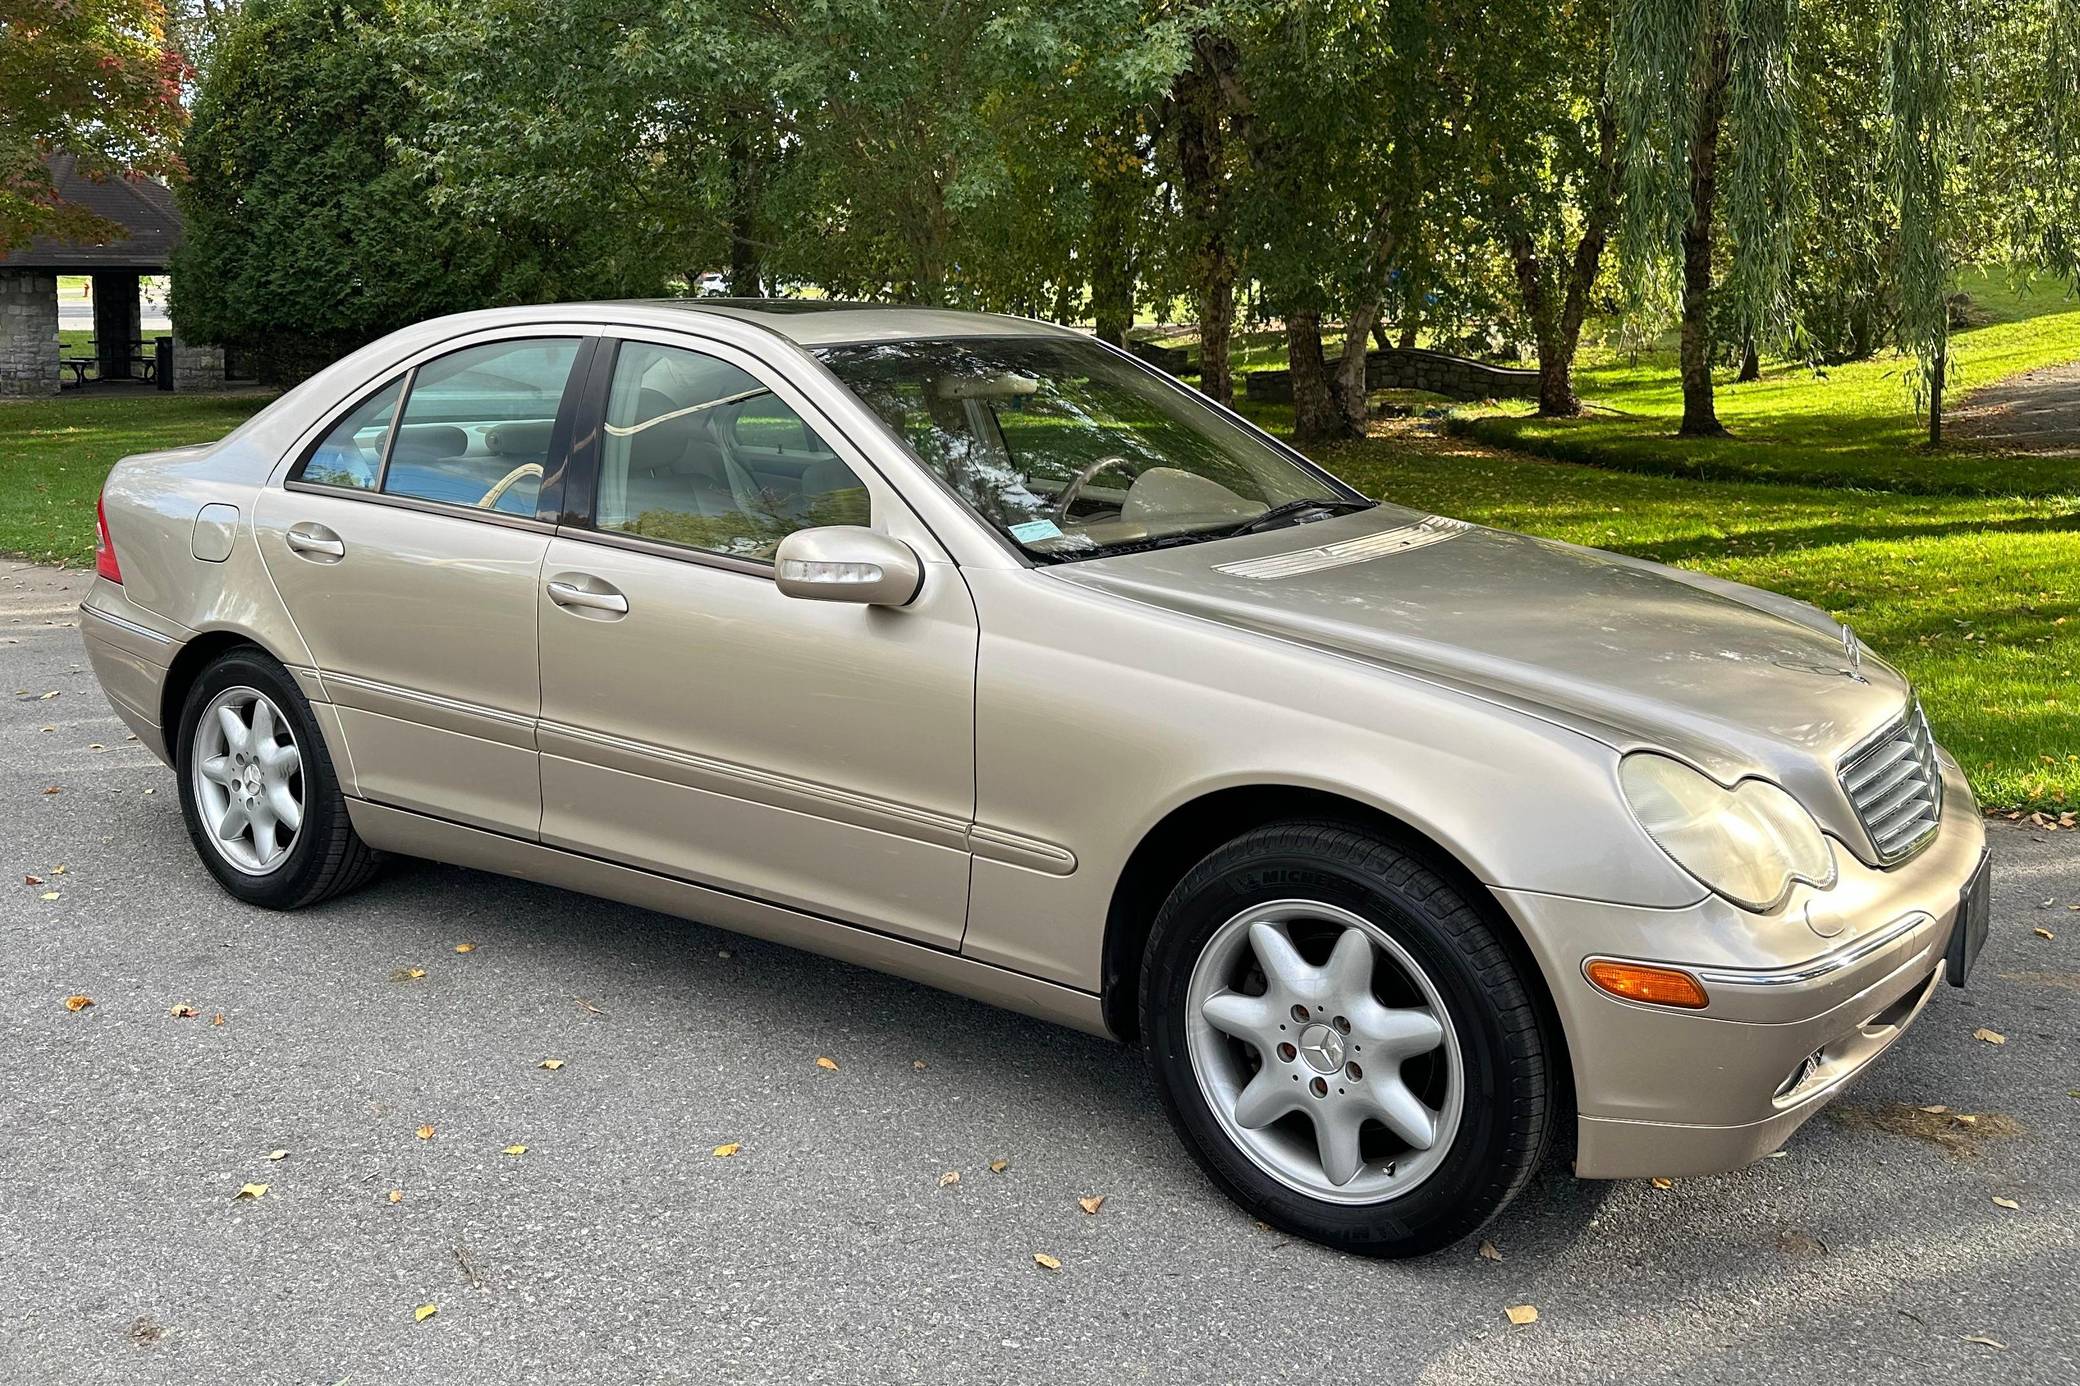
x=1748, y=843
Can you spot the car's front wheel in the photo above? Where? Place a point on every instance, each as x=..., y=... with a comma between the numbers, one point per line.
x=1343, y=1042
x=258, y=790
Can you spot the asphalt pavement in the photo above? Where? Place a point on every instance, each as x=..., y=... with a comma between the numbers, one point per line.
x=402, y=1075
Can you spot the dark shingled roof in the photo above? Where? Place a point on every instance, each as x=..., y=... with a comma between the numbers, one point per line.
x=143, y=209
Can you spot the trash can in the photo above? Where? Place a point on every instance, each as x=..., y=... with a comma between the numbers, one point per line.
x=162, y=368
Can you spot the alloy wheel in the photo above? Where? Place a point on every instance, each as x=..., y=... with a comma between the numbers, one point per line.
x=1325, y=1051
x=247, y=775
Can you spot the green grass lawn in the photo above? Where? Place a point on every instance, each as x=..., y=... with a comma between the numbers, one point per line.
x=54, y=455
x=1838, y=425
x=1975, y=598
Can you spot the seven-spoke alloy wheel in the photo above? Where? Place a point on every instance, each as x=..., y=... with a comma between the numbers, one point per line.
x=248, y=780
x=258, y=789
x=1272, y=1035
x=1344, y=1040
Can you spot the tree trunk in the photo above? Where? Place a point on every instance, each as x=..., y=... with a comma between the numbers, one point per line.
x=1201, y=151
x=1317, y=416
x=1408, y=334
x=1380, y=338
x=1353, y=387
x=1112, y=257
x=1556, y=396
x=745, y=176
x=1935, y=396
x=1751, y=362
x=1700, y=414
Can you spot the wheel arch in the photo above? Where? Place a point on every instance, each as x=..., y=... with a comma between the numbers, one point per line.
x=1191, y=830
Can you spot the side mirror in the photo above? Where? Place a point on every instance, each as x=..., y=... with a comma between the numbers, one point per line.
x=847, y=563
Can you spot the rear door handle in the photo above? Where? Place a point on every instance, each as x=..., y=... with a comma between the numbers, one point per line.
x=315, y=542
x=569, y=595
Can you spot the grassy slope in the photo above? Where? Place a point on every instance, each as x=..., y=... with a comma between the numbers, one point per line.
x=1844, y=425
x=55, y=453
x=1978, y=600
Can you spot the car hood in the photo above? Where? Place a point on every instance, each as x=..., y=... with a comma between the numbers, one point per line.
x=1633, y=652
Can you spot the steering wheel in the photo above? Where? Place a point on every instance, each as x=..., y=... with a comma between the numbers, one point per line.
x=505, y=483
x=1076, y=484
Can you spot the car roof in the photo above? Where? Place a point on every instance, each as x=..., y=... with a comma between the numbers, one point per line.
x=812, y=322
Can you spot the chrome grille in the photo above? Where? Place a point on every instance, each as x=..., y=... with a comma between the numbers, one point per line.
x=1895, y=787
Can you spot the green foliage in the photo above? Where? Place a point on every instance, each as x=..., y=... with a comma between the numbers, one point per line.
x=93, y=78
x=307, y=233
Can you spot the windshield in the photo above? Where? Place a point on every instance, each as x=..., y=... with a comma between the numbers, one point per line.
x=1071, y=450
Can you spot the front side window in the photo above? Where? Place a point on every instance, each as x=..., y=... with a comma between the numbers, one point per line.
x=697, y=452
x=476, y=425
x=1073, y=452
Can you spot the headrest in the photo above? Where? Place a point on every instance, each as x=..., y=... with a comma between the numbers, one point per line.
x=429, y=442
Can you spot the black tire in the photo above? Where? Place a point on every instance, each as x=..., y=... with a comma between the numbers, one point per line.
x=1509, y=1099
x=327, y=857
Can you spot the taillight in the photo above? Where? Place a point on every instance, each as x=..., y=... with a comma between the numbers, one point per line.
x=104, y=548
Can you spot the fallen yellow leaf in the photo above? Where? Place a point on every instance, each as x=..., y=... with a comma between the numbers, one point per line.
x=826, y=1063
x=1521, y=1314
x=465, y=947
x=277, y=1154
x=1489, y=1253
x=50, y=895
x=918, y=1064
x=2000, y=1202
x=78, y=1003
x=217, y=1019
x=516, y=1150
x=424, y=1133
x=396, y=1195
x=999, y=1166
x=183, y=1012
x=250, y=1191
x=2040, y=933
x=551, y=1064
x=1990, y=1036
x=1983, y=1341
x=723, y=1152
x=1046, y=1262
x=408, y=974
x=1664, y=1183
x=952, y=1176
x=425, y=1312
x=1935, y=1109
x=1092, y=1204
x=59, y=870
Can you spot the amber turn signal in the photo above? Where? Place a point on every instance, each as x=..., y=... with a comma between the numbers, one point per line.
x=1658, y=986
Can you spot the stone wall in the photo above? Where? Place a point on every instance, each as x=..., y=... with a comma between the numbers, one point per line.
x=1454, y=377
x=28, y=332
x=196, y=367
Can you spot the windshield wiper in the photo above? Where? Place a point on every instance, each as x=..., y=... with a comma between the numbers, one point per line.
x=1293, y=509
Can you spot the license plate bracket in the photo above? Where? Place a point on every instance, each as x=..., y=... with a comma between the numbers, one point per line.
x=1974, y=920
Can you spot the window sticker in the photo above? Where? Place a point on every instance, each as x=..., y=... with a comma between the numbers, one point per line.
x=1033, y=531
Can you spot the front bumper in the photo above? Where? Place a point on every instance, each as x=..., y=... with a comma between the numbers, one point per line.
x=1801, y=1001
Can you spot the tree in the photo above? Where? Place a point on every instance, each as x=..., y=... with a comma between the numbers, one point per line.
x=1695, y=82
x=1923, y=108
x=92, y=78
x=307, y=231
x=1546, y=136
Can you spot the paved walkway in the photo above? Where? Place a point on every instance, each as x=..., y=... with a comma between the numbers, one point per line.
x=2035, y=412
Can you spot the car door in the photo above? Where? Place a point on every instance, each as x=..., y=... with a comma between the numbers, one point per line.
x=407, y=543
x=697, y=722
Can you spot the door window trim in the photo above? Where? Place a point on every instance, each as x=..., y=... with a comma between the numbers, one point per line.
x=549, y=498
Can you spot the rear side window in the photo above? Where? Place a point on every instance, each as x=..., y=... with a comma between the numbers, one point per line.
x=351, y=454
x=476, y=425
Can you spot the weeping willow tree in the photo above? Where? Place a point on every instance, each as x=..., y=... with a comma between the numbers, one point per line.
x=1921, y=90
x=1706, y=116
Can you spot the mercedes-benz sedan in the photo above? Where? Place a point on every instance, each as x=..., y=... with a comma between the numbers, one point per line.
x=974, y=650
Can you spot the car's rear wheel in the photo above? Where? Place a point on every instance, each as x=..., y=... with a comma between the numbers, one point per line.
x=1343, y=1042
x=258, y=790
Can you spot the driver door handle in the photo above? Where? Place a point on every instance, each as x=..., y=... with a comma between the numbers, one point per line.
x=569, y=595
